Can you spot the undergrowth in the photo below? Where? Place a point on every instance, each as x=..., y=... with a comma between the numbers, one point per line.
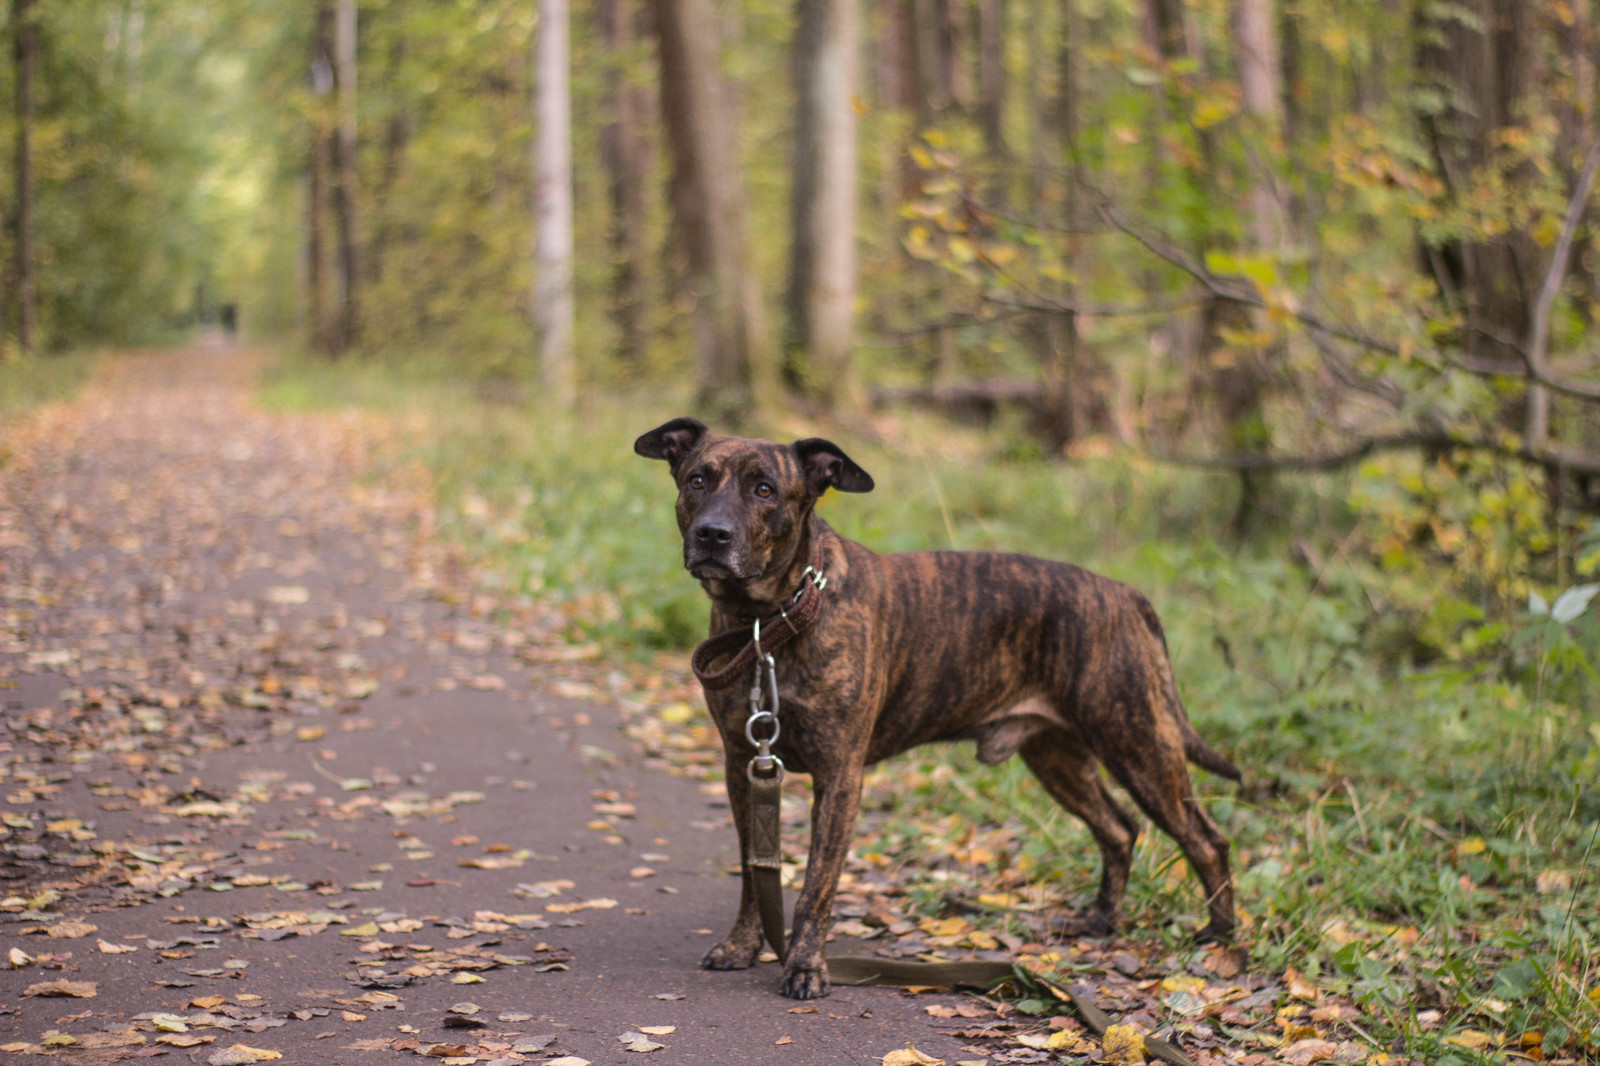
x=1416, y=831
x=29, y=380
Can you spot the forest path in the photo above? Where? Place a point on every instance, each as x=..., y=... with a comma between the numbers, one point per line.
x=275, y=777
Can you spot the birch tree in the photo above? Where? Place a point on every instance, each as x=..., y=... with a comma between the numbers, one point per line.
x=552, y=203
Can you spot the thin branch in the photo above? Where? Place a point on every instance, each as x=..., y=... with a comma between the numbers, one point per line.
x=1553, y=461
x=1538, y=420
x=1242, y=291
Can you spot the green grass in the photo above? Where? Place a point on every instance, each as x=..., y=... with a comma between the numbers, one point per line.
x=1413, y=836
x=30, y=380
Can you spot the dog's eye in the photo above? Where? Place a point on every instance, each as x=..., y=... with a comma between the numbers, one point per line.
x=764, y=490
x=697, y=482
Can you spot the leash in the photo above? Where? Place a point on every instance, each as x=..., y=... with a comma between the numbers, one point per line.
x=764, y=863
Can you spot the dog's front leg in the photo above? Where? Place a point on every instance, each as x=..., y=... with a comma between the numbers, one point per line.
x=835, y=801
x=742, y=945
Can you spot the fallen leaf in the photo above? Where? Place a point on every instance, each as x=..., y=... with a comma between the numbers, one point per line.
x=567, y=1060
x=466, y=979
x=71, y=930
x=1299, y=987
x=586, y=905
x=1471, y=1038
x=1306, y=1052
x=632, y=1041
x=20, y=958
x=108, y=948
x=783, y=1040
x=242, y=1055
x=910, y=1056
x=170, y=1023
x=80, y=989
x=1123, y=1044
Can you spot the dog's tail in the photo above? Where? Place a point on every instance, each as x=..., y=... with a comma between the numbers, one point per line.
x=1194, y=746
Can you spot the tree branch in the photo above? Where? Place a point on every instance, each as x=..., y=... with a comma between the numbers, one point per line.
x=1553, y=462
x=1242, y=291
x=1538, y=421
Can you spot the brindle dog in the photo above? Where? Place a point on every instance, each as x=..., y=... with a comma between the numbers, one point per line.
x=1021, y=655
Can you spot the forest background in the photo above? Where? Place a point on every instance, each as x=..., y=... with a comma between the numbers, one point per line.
x=1280, y=309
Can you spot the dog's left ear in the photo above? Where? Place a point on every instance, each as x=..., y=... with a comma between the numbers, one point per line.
x=671, y=441
x=827, y=466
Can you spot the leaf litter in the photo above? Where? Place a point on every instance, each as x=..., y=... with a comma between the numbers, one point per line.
x=203, y=625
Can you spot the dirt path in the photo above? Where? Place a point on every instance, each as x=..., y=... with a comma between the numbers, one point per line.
x=272, y=778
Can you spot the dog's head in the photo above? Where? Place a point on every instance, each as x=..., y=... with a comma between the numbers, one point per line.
x=743, y=504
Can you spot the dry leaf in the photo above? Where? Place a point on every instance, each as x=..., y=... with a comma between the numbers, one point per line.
x=242, y=1055
x=80, y=989
x=567, y=1060
x=658, y=1030
x=1306, y=1052
x=1123, y=1044
x=71, y=930
x=586, y=905
x=108, y=948
x=910, y=1056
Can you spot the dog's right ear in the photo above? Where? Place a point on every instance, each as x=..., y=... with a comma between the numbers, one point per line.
x=671, y=441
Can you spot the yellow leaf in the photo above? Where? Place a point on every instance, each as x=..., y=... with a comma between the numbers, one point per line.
x=910, y=1056
x=1123, y=1044
x=1472, y=846
x=1475, y=1039
x=944, y=926
x=1182, y=982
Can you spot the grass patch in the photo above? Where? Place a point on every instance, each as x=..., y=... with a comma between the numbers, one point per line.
x=30, y=380
x=1413, y=837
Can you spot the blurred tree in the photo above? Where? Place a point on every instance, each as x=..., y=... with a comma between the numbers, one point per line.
x=346, y=188
x=25, y=33
x=552, y=198
x=731, y=347
x=820, y=300
x=624, y=154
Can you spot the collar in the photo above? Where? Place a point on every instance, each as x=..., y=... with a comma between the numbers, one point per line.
x=772, y=632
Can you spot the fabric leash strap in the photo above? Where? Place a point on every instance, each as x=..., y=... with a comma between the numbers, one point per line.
x=776, y=631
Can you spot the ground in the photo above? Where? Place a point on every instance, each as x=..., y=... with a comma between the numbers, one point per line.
x=271, y=783
x=285, y=777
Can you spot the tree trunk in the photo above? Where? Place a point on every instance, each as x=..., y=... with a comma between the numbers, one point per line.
x=318, y=305
x=821, y=295
x=622, y=152
x=1255, y=56
x=26, y=30
x=345, y=188
x=552, y=197
x=992, y=88
x=731, y=356
x=1480, y=67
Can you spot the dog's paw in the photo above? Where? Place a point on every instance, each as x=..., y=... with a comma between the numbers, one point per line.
x=731, y=956
x=806, y=982
x=1090, y=923
x=1215, y=934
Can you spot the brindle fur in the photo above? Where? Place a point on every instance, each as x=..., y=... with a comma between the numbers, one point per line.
x=1022, y=655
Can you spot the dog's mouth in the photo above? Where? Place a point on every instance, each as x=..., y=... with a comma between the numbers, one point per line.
x=714, y=568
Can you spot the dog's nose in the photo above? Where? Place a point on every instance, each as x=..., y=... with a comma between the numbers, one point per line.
x=712, y=532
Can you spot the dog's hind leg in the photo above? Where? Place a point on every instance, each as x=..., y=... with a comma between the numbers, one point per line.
x=1155, y=772
x=1070, y=772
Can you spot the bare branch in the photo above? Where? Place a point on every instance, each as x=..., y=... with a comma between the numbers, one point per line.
x=1538, y=420
x=1554, y=462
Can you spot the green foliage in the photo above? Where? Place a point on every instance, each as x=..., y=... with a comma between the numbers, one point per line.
x=29, y=380
x=118, y=160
